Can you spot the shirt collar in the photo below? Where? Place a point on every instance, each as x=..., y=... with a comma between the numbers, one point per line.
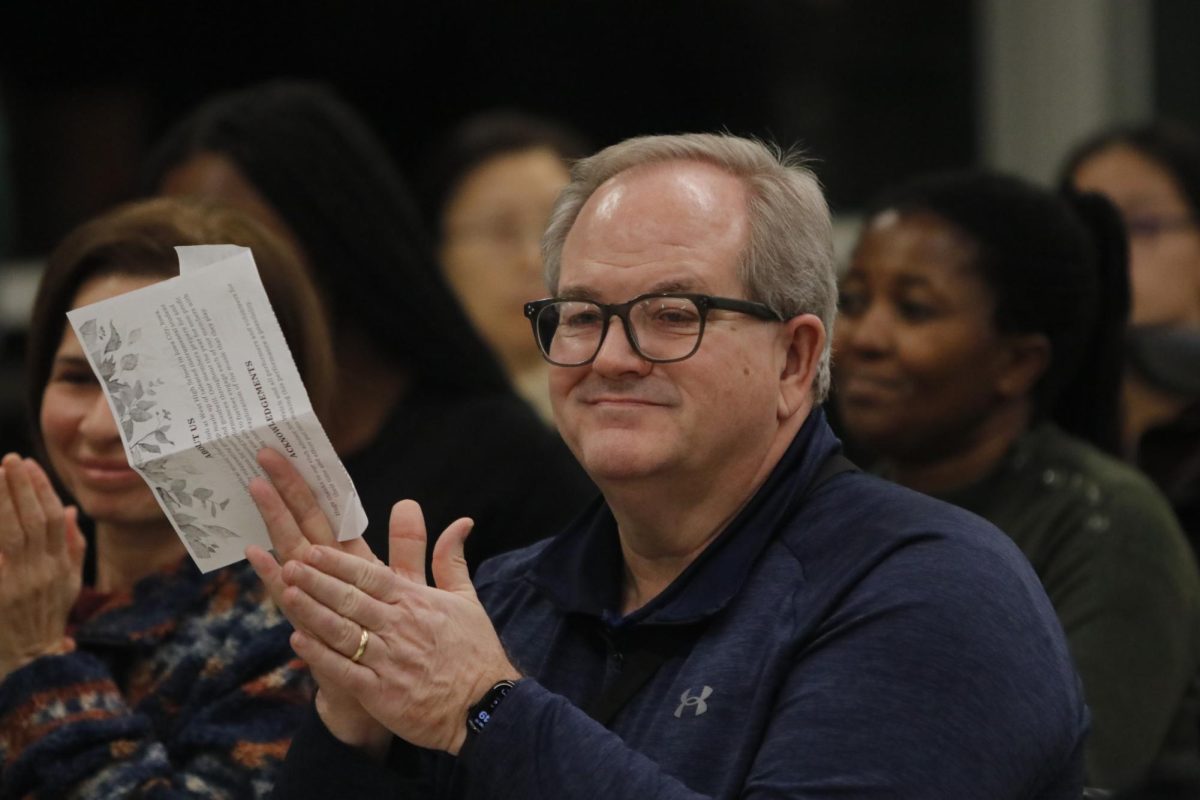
x=582, y=570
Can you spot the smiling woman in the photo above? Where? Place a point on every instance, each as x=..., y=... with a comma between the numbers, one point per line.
x=977, y=312
x=160, y=676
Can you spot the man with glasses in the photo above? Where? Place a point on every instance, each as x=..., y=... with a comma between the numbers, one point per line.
x=740, y=615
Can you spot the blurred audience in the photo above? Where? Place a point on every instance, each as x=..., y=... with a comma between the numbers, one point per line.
x=1152, y=174
x=153, y=679
x=977, y=310
x=489, y=191
x=422, y=410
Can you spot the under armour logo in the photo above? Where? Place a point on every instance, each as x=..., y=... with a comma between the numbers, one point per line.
x=687, y=699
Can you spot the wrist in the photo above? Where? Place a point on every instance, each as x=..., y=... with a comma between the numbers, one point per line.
x=480, y=713
x=351, y=725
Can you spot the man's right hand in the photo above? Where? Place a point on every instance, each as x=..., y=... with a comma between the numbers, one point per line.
x=295, y=523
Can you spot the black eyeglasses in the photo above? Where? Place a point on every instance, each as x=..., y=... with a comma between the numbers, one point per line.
x=661, y=327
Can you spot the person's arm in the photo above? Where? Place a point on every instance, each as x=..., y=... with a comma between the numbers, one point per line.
x=1127, y=596
x=67, y=728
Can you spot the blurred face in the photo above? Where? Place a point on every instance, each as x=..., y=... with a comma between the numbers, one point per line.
x=676, y=226
x=1164, y=239
x=490, y=252
x=81, y=435
x=917, y=362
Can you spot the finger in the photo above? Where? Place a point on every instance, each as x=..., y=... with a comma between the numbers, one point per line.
x=56, y=525
x=286, y=537
x=76, y=541
x=336, y=671
x=449, y=564
x=268, y=571
x=12, y=539
x=311, y=615
x=29, y=510
x=407, y=540
x=372, y=577
x=340, y=596
x=297, y=497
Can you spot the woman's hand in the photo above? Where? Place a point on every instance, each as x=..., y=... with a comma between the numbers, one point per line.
x=295, y=524
x=41, y=565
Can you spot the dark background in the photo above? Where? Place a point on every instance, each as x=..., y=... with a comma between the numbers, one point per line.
x=875, y=90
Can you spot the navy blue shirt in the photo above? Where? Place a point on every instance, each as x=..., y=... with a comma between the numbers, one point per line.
x=855, y=640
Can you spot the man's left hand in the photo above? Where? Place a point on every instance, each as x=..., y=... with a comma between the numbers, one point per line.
x=431, y=651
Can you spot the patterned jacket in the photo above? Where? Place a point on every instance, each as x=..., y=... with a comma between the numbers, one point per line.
x=186, y=687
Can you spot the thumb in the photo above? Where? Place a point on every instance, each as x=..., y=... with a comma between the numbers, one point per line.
x=449, y=563
x=76, y=543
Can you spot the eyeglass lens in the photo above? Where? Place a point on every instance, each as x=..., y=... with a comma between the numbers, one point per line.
x=663, y=329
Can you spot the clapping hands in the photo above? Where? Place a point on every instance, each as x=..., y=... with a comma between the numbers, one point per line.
x=41, y=565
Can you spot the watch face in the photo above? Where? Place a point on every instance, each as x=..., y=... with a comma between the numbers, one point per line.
x=480, y=714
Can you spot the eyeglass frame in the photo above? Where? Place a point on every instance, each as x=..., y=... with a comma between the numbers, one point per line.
x=704, y=304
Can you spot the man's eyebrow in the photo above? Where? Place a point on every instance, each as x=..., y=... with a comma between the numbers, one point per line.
x=583, y=292
x=674, y=286
x=576, y=293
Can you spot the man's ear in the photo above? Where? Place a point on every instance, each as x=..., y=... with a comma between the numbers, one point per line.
x=1026, y=358
x=804, y=337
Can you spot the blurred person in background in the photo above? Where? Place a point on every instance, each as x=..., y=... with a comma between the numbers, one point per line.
x=421, y=408
x=1152, y=173
x=142, y=677
x=489, y=190
x=977, y=310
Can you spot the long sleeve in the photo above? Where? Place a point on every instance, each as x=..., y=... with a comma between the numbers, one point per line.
x=211, y=712
x=1129, y=602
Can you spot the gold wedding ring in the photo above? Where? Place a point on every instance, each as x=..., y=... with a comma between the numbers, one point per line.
x=362, y=646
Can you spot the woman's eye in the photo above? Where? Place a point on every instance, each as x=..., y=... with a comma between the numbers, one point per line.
x=78, y=377
x=851, y=303
x=916, y=312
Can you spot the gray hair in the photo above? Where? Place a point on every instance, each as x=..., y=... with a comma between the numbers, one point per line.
x=788, y=263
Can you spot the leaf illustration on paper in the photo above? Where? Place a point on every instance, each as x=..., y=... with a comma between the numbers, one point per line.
x=198, y=539
x=166, y=475
x=218, y=530
x=88, y=331
x=114, y=339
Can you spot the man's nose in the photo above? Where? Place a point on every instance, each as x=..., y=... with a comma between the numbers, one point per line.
x=617, y=355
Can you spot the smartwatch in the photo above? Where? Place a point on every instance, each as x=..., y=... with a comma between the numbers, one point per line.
x=480, y=714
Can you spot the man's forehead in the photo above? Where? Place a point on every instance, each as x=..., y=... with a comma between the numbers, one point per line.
x=686, y=219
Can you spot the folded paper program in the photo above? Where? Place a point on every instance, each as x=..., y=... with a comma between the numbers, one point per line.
x=199, y=378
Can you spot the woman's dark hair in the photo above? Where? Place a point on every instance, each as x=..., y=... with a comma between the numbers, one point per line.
x=139, y=239
x=1056, y=266
x=482, y=137
x=316, y=161
x=1171, y=145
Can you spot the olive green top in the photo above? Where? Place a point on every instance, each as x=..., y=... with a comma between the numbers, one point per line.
x=1125, y=584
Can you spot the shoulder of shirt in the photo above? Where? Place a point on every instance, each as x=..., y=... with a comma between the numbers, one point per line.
x=1126, y=512
x=510, y=566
